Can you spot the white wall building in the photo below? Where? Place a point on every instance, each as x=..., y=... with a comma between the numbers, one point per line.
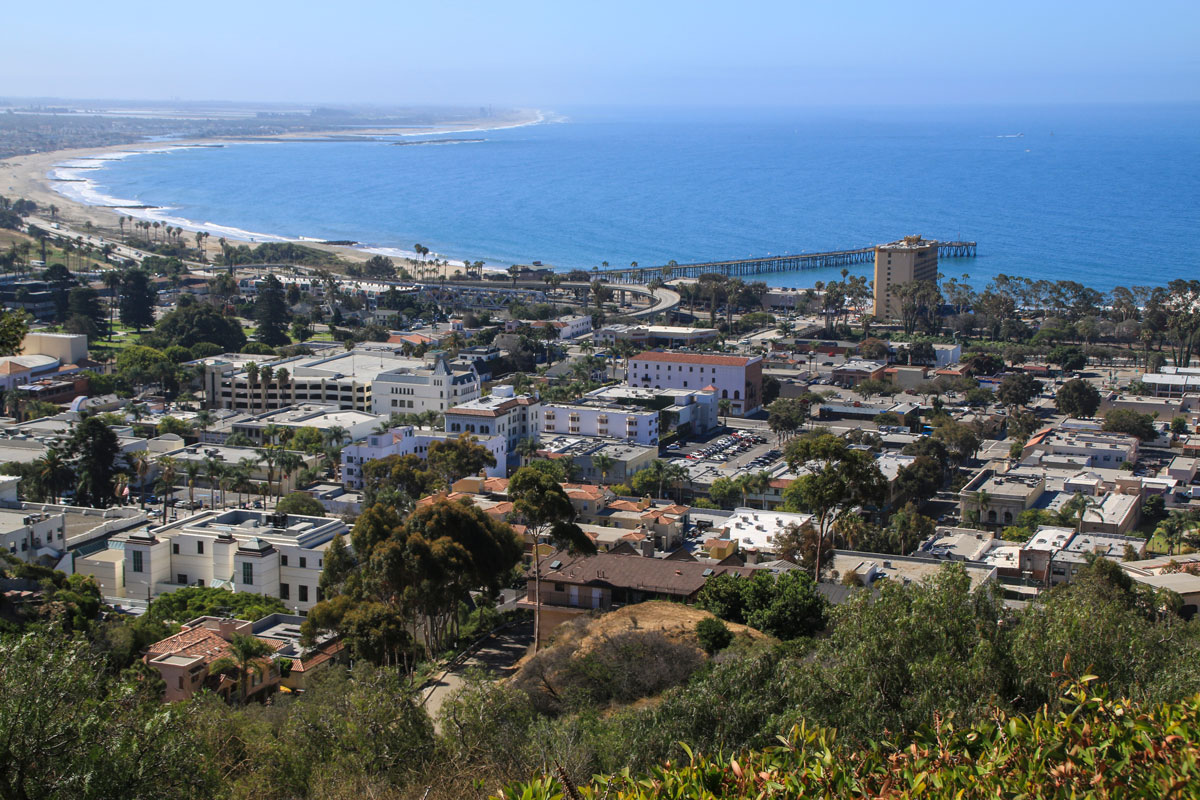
x=600, y=419
x=344, y=379
x=502, y=413
x=695, y=408
x=735, y=378
x=408, y=440
x=414, y=391
x=28, y=535
x=279, y=555
x=321, y=416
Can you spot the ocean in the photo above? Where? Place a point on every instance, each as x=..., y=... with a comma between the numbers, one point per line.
x=1105, y=196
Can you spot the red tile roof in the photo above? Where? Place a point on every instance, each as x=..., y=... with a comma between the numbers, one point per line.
x=199, y=643
x=694, y=358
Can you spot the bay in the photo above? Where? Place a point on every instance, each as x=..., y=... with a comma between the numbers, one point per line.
x=1102, y=195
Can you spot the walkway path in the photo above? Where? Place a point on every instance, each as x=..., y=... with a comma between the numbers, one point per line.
x=497, y=655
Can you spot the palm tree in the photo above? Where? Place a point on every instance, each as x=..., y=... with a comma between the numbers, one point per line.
x=984, y=501
x=676, y=474
x=112, y=279
x=289, y=462
x=213, y=469
x=251, y=384
x=724, y=406
x=246, y=656
x=1172, y=529
x=270, y=457
x=265, y=376
x=758, y=483
x=140, y=461
x=242, y=473
x=52, y=474
x=203, y=420
x=281, y=379
x=272, y=434
x=603, y=463
x=527, y=448
x=192, y=469
x=169, y=471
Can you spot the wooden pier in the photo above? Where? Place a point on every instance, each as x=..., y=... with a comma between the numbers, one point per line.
x=769, y=264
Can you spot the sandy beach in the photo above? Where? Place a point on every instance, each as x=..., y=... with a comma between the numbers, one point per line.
x=28, y=176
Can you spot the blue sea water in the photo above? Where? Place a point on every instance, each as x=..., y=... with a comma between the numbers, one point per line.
x=1102, y=195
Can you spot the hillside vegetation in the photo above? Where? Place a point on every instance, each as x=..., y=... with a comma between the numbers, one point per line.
x=620, y=657
x=1093, y=747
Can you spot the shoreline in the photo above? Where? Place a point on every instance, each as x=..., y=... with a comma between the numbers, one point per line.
x=47, y=178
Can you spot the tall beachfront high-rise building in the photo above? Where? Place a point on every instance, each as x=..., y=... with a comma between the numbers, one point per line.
x=910, y=259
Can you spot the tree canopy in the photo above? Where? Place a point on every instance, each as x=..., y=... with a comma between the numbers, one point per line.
x=1077, y=398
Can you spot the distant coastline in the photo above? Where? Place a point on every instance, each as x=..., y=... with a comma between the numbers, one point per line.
x=49, y=178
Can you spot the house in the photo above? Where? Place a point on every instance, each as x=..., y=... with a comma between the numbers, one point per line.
x=1053, y=555
x=576, y=584
x=183, y=660
x=1179, y=574
x=322, y=416
x=737, y=379
x=654, y=335
x=627, y=458
x=956, y=544
x=868, y=568
x=1099, y=448
x=31, y=536
x=999, y=498
x=906, y=377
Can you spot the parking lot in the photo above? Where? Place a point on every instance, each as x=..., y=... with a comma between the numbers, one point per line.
x=736, y=448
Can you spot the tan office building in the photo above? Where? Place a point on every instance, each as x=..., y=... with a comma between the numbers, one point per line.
x=910, y=259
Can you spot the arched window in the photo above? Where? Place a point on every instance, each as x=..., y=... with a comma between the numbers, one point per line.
x=992, y=515
x=724, y=394
x=737, y=395
x=1008, y=517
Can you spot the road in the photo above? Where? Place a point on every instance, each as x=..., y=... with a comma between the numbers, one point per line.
x=497, y=656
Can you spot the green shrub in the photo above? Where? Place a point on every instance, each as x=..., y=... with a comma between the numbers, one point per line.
x=714, y=635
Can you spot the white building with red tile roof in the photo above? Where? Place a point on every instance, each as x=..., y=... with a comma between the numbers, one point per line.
x=737, y=379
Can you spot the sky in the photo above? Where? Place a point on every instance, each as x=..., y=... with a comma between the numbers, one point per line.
x=526, y=53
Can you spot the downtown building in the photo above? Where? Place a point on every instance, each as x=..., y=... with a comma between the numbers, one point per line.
x=737, y=379
x=416, y=390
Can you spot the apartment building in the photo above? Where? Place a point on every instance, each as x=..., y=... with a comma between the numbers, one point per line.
x=734, y=378
x=409, y=440
x=600, y=419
